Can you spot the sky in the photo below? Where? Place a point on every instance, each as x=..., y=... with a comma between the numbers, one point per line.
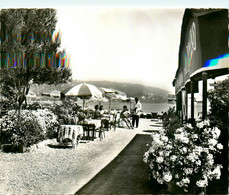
x=126, y=41
x=137, y=45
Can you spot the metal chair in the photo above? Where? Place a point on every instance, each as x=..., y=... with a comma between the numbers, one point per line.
x=89, y=131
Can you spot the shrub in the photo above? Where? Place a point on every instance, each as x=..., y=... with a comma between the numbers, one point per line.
x=7, y=104
x=34, y=106
x=29, y=127
x=48, y=122
x=21, y=130
x=219, y=101
x=171, y=122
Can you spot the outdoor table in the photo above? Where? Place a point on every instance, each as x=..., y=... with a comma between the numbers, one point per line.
x=70, y=133
x=89, y=127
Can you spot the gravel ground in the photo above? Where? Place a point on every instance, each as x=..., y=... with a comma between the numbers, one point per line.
x=46, y=170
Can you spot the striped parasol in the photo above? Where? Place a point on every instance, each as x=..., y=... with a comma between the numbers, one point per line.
x=83, y=91
x=113, y=94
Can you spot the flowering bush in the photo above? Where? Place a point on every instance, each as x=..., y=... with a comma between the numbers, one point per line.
x=29, y=127
x=21, y=131
x=188, y=159
x=47, y=121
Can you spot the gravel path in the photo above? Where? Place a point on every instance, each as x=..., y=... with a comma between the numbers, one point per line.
x=46, y=170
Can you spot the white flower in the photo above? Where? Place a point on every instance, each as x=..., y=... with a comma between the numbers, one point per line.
x=160, y=159
x=178, y=184
x=164, y=138
x=206, y=150
x=189, y=126
x=176, y=176
x=155, y=136
x=173, y=158
x=216, y=132
x=181, y=138
x=197, y=150
x=202, y=183
x=160, y=181
x=151, y=150
x=167, y=153
x=188, y=171
x=145, y=158
x=198, y=162
x=212, y=142
x=157, y=141
x=206, y=122
x=210, y=156
x=167, y=177
x=216, y=172
x=191, y=157
x=169, y=146
x=161, y=153
x=211, y=162
x=200, y=124
x=185, y=180
x=151, y=165
x=219, y=146
x=194, y=136
x=184, y=150
x=180, y=130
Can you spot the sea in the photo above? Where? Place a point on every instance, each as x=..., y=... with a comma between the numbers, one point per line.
x=146, y=107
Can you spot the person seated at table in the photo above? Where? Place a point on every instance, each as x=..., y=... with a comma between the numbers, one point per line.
x=101, y=110
x=97, y=114
x=124, y=115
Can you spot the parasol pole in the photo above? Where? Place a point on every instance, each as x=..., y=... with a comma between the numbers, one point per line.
x=109, y=103
x=83, y=103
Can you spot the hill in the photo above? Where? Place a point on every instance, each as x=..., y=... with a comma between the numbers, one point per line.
x=145, y=93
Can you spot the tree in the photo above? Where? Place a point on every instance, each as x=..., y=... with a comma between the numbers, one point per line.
x=30, y=52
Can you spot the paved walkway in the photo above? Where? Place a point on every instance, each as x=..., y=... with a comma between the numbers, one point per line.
x=126, y=174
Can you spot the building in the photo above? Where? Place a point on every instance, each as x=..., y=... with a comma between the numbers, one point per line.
x=203, y=55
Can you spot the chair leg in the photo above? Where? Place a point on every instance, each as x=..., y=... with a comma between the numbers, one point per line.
x=100, y=135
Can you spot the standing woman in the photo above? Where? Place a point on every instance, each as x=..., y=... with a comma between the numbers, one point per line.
x=136, y=113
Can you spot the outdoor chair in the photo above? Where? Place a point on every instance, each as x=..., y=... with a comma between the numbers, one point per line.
x=106, y=124
x=116, y=121
x=88, y=131
x=110, y=123
x=101, y=130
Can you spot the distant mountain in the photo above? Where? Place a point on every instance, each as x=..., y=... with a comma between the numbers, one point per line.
x=143, y=92
x=134, y=90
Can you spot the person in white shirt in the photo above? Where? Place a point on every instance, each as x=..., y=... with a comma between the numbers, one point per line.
x=136, y=113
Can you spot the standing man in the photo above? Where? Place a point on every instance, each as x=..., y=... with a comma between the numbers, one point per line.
x=136, y=113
